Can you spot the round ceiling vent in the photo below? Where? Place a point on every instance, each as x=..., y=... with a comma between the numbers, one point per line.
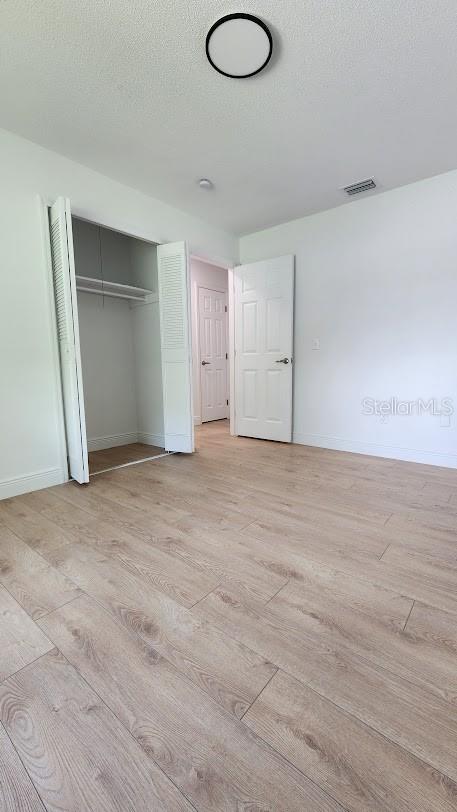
x=239, y=45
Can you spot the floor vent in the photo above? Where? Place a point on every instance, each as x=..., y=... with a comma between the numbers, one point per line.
x=361, y=186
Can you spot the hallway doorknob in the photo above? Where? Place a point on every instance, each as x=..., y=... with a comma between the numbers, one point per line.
x=205, y=363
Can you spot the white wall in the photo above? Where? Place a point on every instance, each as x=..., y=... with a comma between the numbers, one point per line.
x=202, y=275
x=108, y=362
x=32, y=451
x=376, y=283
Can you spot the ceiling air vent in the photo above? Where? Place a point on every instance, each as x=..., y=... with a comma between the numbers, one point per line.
x=361, y=186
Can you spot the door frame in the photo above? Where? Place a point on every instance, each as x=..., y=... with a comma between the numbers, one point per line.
x=96, y=217
x=216, y=263
x=43, y=204
x=196, y=296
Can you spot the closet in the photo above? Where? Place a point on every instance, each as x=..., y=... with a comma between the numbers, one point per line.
x=123, y=329
x=119, y=331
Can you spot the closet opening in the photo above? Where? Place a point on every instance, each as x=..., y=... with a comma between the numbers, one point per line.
x=119, y=332
x=122, y=306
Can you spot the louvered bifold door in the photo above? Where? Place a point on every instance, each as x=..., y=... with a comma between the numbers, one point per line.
x=63, y=269
x=175, y=346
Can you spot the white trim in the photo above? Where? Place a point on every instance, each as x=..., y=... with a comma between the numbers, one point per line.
x=111, y=441
x=114, y=440
x=151, y=439
x=82, y=214
x=375, y=450
x=32, y=482
x=231, y=348
x=197, y=420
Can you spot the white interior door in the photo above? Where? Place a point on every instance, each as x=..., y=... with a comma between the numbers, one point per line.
x=264, y=305
x=174, y=303
x=63, y=268
x=212, y=327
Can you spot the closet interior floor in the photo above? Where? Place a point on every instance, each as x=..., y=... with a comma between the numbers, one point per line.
x=108, y=458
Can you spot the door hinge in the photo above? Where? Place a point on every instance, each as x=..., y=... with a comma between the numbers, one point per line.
x=225, y=308
x=227, y=402
x=226, y=356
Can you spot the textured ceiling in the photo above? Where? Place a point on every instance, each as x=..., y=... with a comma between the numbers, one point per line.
x=355, y=88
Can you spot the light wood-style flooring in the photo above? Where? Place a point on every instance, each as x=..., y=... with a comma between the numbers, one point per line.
x=121, y=455
x=254, y=627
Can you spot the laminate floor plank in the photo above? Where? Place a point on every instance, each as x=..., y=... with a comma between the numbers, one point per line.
x=412, y=708
x=209, y=550
x=17, y=793
x=77, y=753
x=21, y=640
x=437, y=574
x=108, y=498
x=30, y=526
x=435, y=628
x=188, y=548
x=358, y=766
x=33, y=582
x=211, y=757
x=326, y=622
x=272, y=626
x=350, y=557
x=388, y=606
x=229, y=671
x=180, y=579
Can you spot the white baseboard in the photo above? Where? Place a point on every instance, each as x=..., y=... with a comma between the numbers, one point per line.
x=375, y=450
x=151, y=439
x=197, y=420
x=112, y=440
x=32, y=482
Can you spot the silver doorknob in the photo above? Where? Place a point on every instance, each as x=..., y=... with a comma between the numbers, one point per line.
x=283, y=361
x=205, y=363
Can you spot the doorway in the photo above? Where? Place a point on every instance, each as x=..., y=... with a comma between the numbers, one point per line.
x=242, y=340
x=210, y=362
x=118, y=313
x=130, y=306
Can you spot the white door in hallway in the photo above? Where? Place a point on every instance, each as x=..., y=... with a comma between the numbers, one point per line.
x=212, y=320
x=264, y=305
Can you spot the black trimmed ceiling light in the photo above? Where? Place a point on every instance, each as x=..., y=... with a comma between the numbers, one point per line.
x=239, y=45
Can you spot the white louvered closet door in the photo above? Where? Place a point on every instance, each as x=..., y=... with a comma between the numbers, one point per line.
x=63, y=268
x=174, y=300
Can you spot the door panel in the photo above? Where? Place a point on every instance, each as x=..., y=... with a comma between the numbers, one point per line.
x=264, y=300
x=273, y=326
x=175, y=346
x=63, y=269
x=250, y=395
x=212, y=319
x=273, y=402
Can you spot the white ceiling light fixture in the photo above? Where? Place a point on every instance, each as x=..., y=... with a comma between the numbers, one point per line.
x=239, y=45
x=206, y=183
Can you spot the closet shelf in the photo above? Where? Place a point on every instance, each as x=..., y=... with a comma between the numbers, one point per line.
x=120, y=291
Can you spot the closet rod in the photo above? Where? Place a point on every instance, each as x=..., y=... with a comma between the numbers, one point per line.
x=109, y=293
